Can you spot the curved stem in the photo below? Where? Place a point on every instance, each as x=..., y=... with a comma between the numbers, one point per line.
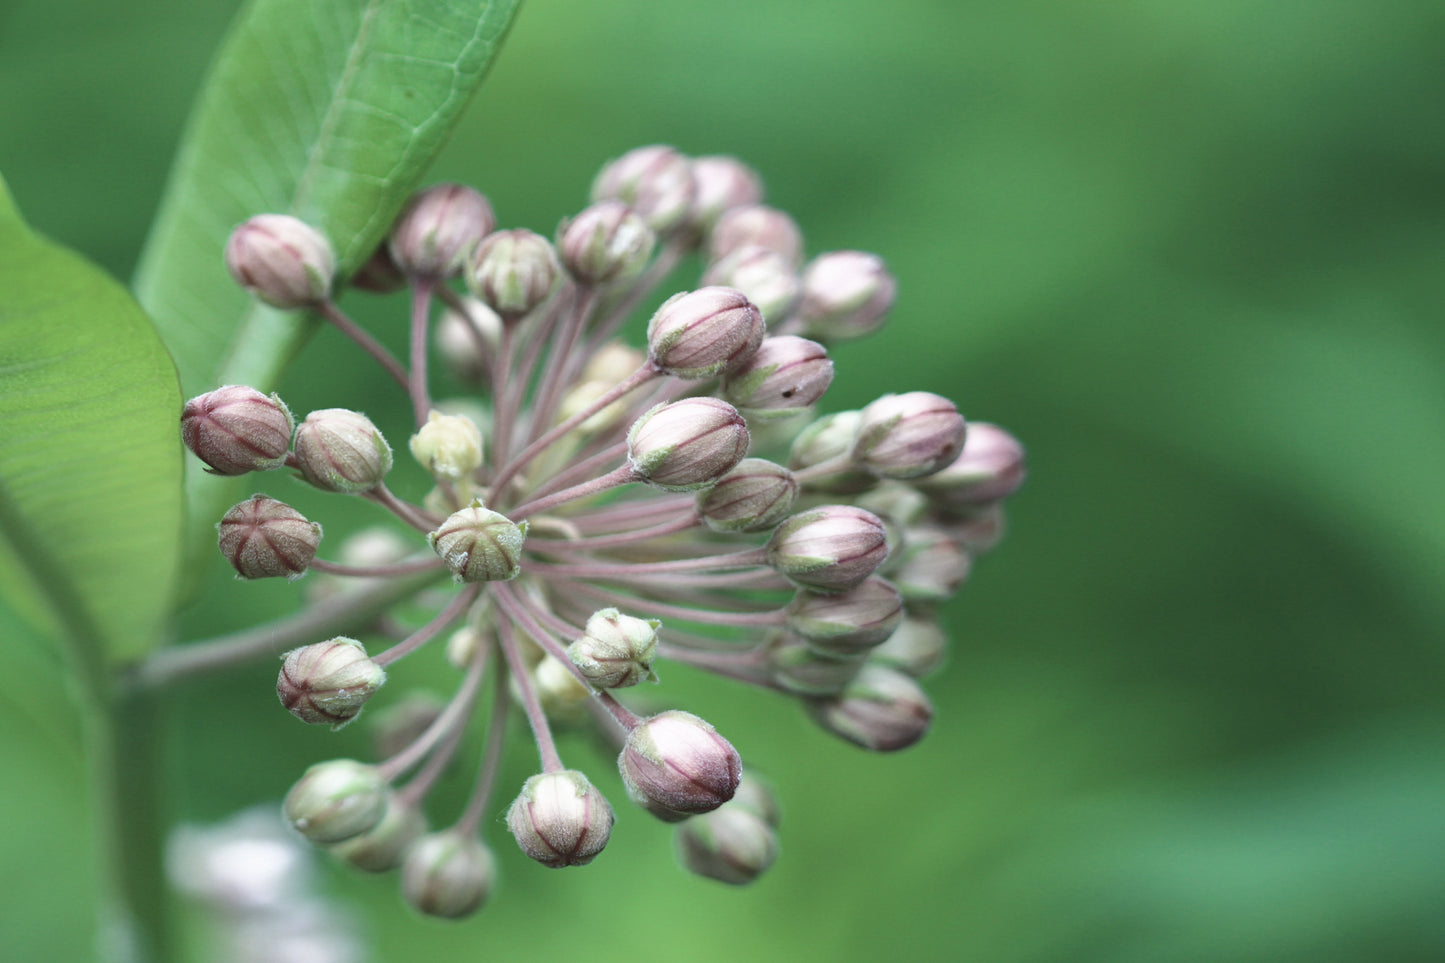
x=427, y=632
x=536, y=718
x=420, y=314
x=454, y=716
x=747, y=558
x=491, y=759
x=407, y=512
x=376, y=571
x=622, y=475
x=587, y=543
x=329, y=310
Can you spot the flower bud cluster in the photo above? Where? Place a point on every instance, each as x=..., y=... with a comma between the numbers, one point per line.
x=600, y=507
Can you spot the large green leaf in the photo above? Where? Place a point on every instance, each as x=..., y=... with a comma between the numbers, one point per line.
x=326, y=109
x=90, y=465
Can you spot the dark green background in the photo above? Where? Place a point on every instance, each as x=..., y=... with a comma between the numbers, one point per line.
x=1190, y=253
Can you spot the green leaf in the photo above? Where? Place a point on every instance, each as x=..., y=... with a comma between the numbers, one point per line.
x=90, y=459
x=326, y=109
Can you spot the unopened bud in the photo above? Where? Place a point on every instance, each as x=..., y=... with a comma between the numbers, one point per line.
x=562, y=695
x=978, y=529
x=830, y=549
x=785, y=374
x=339, y=450
x=617, y=650
x=799, y=668
x=990, y=467
x=448, y=446
x=847, y=623
x=931, y=565
x=236, y=429
x=766, y=277
x=328, y=682
x=846, y=295
x=676, y=765
x=731, y=845
x=464, y=644
x=382, y=847
x=281, y=260
x=336, y=800
x=721, y=184
x=882, y=710
x=699, y=334
x=606, y=242
x=468, y=342
x=513, y=271
x=829, y=439
x=760, y=225
x=448, y=874
x=917, y=647
x=754, y=496
x=438, y=230
x=654, y=181
x=480, y=545
x=909, y=435
x=560, y=819
x=264, y=538
x=688, y=444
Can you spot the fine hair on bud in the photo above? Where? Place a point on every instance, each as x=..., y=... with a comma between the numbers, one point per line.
x=281, y=260
x=829, y=549
x=236, y=429
x=676, y=765
x=785, y=374
x=264, y=538
x=513, y=272
x=480, y=545
x=616, y=650
x=845, y=295
x=329, y=682
x=909, y=435
x=339, y=450
x=699, y=334
x=606, y=242
x=686, y=445
x=754, y=495
x=849, y=622
x=448, y=874
x=560, y=819
x=882, y=709
x=655, y=181
x=438, y=230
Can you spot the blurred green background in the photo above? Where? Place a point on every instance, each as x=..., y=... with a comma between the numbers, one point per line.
x=1190, y=253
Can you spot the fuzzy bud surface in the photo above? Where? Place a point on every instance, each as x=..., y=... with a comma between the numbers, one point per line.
x=849, y=622
x=339, y=450
x=829, y=549
x=480, y=545
x=328, y=682
x=264, y=538
x=606, y=242
x=784, y=375
x=236, y=429
x=753, y=496
x=909, y=435
x=438, y=230
x=336, y=800
x=617, y=650
x=882, y=710
x=686, y=445
x=676, y=765
x=655, y=181
x=448, y=446
x=281, y=260
x=698, y=334
x=845, y=295
x=560, y=819
x=513, y=271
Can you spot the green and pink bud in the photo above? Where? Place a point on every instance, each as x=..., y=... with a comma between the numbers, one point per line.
x=236, y=429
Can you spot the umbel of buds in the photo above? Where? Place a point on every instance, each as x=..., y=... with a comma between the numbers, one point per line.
x=328, y=682
x=560, y=819
x=585, y=488
x=236, y=430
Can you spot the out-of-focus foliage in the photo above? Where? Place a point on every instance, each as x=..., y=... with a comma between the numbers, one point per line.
x=1188, y=252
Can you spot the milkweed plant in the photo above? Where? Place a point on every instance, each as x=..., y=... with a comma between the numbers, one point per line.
x=600, y=506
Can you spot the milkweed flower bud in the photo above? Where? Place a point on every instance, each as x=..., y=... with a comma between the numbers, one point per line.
x=756, y=795
x=753, y=496
x=438, y=230
x=845, y=295
x=676, y=765
x=606, y=242
x=379, y=273
x=480, y=545
x=654, y=181
x=785, y=374
x=989, y=467
x=731, y=844
x=829, y=549
x=236, y=429
x=336, y=800
x=448, y=446
x=978, y=529
x=882, y=710
x=721, y=183
x=617, y=650
x=917, y=647
x=828, y=439
x=766, y=277
x=281, y=260
x=849, y=622
x=448, y=874
x=264, y=538
x=341, y=451
x=382, y=847
x=560, y=819
x=756, y=224
x=513, y=271
x=908, y=435
x=698, y=334
x=799, y=668
x=688, y=444
x=328, y=682
x=931, y=565
x=467, y=343
x=561, y=694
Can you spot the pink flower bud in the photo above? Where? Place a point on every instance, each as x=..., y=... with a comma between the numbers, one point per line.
x=448, y=874
x=606, y=242
x=908, y=435
x=341, y=451
x=560, y=819
x=236, y=429
x=882, y=710
x=829, y=549
x=756, y=224
x=336, y=800
x=698, y=334
x=382, y=847
x=849, y=622
x=931, y=565
x=754, y=496
x=480, y=545
x=438, y=230
x=264, y=538
x=731, y=844
x=281, y=260
x=722, y=183
x=784, y=375
x=766, y=277
x=676, y=765
x=799, y=668
x=917, y=647
x=656, y=182
x=827, y=439
x=328, y=682
x=617, y=650
x=688, y=444
x=513, y=272
x=989, y=467
x=846, y=295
